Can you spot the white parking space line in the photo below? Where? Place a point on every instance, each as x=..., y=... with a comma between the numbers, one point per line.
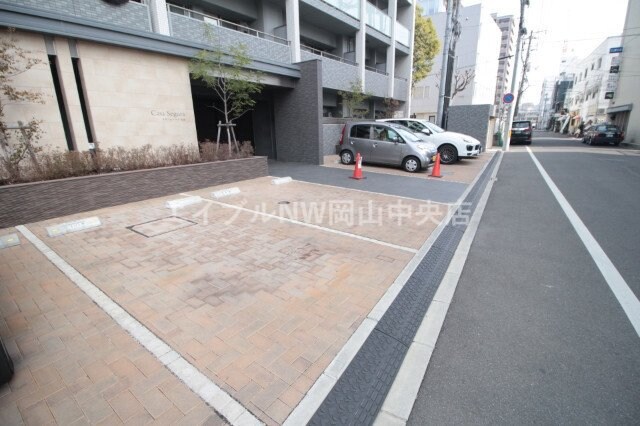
x=316, y=395
x=309, y=225
x=378, y=193
x=200, y=384
x=614, y=279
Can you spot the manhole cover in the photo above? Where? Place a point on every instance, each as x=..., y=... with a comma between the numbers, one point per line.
x=161, y=226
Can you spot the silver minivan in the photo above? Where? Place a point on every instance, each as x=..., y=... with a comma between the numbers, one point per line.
x=385, y=143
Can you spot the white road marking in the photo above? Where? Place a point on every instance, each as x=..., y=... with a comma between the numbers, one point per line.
x=310, y=225
x=200, y=384
x=614, y=279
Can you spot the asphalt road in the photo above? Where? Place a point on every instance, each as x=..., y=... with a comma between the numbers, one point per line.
x=534, y=334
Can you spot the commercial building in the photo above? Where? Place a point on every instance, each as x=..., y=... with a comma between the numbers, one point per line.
x=477, y=52
x=117, y=72
x=626, y=94
x=589, y=97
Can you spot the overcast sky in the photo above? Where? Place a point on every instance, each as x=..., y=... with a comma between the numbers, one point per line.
x=584, y=24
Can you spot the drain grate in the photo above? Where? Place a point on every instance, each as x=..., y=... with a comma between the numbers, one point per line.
x=161, y=226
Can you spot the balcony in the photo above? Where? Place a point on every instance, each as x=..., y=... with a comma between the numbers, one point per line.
x=337, y=73
x=376, y=82
x=400, y=89
x=403, y=35
x=350, y=7
x=131, y=15
x=218, y=33
x=378, y=20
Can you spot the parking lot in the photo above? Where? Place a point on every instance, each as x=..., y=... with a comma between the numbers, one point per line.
x=258, y=291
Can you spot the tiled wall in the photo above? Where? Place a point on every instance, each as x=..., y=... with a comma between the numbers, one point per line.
x=335, y=74
x=194, y=30
x=26, y=203
x=472, y=120
x=131, y=15
x=298, y=115
x=376, y=83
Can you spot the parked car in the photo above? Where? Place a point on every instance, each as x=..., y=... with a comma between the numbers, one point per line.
x=385, y=143
x=451, y=145
x=603, y=134
x=521, y=131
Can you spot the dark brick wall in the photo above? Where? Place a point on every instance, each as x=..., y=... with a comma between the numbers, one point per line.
x=33, y=202
x=472, y=120
x=298, y=117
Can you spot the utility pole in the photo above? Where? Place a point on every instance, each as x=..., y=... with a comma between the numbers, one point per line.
x=445, y=61
x=525, y=69
x=521, y=30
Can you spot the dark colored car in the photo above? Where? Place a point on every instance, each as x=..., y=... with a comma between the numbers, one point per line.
x=603, y=134
x=521, y=131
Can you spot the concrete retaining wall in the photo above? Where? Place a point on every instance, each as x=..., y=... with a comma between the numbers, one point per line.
x=32, y=202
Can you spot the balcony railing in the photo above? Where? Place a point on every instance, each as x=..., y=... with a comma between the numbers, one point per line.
x=374, y=69
x=326, y=55
x=224, y=35
x=350, y=7
x=211, y=20
x=378, y=20
x=403, y=35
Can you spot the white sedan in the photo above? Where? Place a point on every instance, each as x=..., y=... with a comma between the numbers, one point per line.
x=451, y=145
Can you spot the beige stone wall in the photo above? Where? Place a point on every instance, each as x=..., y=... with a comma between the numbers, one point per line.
x=37, y=79
x=136, y=98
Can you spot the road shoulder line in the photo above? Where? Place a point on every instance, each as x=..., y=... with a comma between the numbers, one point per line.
x=625, y=296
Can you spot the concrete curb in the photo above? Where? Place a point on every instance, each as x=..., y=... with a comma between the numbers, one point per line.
x=398, y=404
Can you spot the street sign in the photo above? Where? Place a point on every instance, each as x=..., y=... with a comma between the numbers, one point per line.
x=608, y=95
x=615, y=50
x=508, y=98
x=614, y=69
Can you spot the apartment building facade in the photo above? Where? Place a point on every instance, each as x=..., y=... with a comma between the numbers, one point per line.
x=116, y=71
x=477, y=51
x=507, y=25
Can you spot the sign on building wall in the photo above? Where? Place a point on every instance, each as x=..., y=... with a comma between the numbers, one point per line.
x=616, y=49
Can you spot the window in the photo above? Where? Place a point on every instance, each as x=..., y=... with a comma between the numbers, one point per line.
x=385, y=134
x=599, y=63
x=592, y=65
x=585, y=72
x=415, y=126
x=361, y=131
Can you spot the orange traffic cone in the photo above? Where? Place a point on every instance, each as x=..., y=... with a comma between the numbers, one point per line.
x=435, y=172
x=357, y=172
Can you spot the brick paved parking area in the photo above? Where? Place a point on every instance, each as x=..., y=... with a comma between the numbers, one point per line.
x=259, y=305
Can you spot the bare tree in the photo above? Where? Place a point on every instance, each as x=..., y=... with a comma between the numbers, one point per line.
x=14, y=61
x=461, y=80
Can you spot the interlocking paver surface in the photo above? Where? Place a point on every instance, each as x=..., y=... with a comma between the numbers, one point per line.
x=259, y=305
x=73, y=363
x=401, y=221
x=463, y=171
